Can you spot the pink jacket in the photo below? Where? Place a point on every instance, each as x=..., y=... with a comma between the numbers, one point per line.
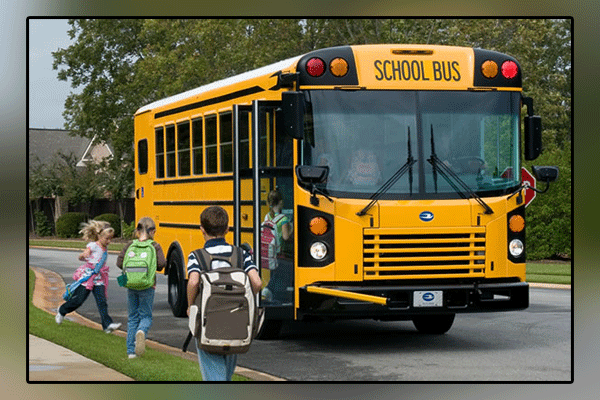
x=96, y=279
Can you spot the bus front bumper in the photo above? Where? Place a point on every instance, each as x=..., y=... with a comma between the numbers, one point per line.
x=403, y=302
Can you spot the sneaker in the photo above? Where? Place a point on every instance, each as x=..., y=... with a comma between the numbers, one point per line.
x=59, y=318
x=112, y=327
x=131, y=356
x=140, y=342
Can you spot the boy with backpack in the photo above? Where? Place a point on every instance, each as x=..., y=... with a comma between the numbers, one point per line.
x=139, y=260
x=214, y=224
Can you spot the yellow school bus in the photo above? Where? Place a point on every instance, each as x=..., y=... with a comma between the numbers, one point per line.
x=398, y=165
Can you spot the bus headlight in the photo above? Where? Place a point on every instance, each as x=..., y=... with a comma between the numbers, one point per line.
x=516, y=247
x=318, y=250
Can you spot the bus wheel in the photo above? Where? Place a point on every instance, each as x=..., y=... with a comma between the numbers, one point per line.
x=176, y=285
x=433, y=324
x=269, y=329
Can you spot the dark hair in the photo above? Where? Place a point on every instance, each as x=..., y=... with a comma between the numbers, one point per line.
x=274, y=198
x=215, y=221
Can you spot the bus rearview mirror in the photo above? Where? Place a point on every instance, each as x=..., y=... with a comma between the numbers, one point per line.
x=533, y=136
x=292, y=107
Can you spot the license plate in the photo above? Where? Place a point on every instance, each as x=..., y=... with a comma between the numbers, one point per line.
x=428, y=298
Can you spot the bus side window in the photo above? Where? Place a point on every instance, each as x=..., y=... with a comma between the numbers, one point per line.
x=226, y=141
x=142, y=155
x=183, y=148
x=197, y=146
x=160, y=151
x=210, y=125
x=170, y=150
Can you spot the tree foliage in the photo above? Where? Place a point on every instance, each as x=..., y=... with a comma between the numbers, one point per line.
x=124, y=64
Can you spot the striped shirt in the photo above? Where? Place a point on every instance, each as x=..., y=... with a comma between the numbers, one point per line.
x=218, y=247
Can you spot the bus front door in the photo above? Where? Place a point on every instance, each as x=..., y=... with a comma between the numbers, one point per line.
x=270, y=169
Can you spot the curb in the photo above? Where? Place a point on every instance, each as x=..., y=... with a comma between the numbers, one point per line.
x=549, y=286
x=47, y=296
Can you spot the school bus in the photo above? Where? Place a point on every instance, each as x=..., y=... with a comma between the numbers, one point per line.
x=398, y=165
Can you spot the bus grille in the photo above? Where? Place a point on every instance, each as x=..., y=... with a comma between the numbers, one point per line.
x=423, y=253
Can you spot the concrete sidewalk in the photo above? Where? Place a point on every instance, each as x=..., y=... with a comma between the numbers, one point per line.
x=51, y=362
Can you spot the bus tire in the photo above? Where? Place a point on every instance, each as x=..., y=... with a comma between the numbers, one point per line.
x=176, y=286
x=433, y=324
x=270, y=329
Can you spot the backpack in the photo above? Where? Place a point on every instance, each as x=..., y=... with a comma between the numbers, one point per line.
x=223, y=315
x=139, y=265
x=270, y=245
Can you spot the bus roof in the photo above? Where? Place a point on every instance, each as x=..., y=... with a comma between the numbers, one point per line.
x=268, y=69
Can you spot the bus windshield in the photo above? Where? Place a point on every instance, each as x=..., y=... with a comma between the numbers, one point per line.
x=365, y=137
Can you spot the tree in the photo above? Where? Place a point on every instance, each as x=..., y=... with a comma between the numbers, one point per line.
x=79, y=185
x=44, y=181
x=116, y=180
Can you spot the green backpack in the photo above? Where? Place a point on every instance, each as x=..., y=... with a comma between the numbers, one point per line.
x=139, y=265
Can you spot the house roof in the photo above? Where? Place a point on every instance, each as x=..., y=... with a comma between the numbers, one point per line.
x=45, y=144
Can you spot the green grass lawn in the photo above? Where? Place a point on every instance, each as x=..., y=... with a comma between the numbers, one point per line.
x=70, y=244
x=110, y=350
x=559, y=273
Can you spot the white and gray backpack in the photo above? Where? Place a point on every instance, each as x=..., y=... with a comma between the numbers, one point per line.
x=223, y=314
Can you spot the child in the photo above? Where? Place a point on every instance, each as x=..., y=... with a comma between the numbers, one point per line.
x=99, y=233
x=214, y=224
x=140, y=302
x=281, y=272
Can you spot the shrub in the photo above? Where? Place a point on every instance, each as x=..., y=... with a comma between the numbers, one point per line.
x=113, y=220
x=128, y=230
x=42, y=225
x=68, y=224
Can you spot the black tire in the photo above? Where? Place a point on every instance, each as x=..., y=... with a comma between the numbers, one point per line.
x=176, y=286
x=434, y=324
x=270, y=329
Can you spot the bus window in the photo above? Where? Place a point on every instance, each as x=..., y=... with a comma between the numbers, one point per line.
x=142, y=155
x=211, y=144
x=170, y=153
x=197, y=146
x=226, y=142
x=183, y=148
x=244, y=140
x=160, y=151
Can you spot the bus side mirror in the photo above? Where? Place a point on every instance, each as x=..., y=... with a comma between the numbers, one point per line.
x=312, y=174
x=292, y=107
x=533, y=136
x=545, y=174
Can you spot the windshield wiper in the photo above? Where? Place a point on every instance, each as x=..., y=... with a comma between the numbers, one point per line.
x=447, y=172
x=393, y=179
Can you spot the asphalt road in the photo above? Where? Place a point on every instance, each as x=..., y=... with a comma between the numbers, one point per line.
x=533, y=345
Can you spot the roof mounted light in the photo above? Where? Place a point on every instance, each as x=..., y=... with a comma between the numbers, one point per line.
x=509, y=69
x=338, y=67
x=489, y=69
x=315, y=67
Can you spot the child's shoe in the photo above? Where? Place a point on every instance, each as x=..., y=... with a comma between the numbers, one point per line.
x=140, y=342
